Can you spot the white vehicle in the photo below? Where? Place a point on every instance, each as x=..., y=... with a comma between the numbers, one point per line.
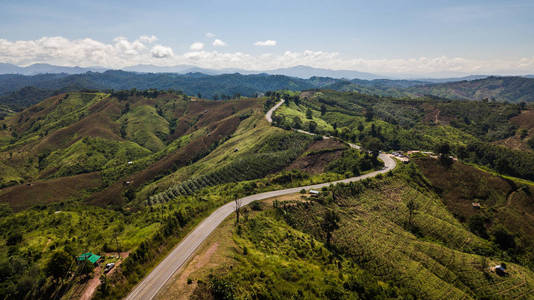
x=109, y=267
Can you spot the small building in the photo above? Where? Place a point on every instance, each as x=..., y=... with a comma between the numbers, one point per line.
x=476, y=205
x=314, y=193
x=130, y=162
x=500, y=269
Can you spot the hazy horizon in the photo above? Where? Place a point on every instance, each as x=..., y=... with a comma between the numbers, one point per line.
x=438, y=39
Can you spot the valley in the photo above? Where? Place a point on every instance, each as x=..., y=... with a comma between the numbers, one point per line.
x=153, y=173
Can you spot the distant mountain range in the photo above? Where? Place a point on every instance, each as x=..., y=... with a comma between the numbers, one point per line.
x=19, y=91
x=44, y=69
x=300, y=71
x=297, y=71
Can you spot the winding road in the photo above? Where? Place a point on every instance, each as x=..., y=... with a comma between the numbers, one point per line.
x=153, y=282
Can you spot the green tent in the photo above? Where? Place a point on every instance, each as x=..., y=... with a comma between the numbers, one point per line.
x=85, y=256
x=94, y=258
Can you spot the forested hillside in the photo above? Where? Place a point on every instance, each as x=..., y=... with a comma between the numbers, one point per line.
x=18, y=91
x=513, y=89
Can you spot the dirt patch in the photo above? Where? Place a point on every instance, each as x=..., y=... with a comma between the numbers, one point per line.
x=23, y=196
x=318, y=155
x=524, y=120
x=92, y=285
x=198, y=262
x=216, y=252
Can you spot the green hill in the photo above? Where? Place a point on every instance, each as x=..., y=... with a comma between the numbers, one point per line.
x=394, y=237
x=512, y=89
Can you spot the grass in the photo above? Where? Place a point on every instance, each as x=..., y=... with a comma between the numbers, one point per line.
x=494, y=173
x=145, y=127
x=292, y=110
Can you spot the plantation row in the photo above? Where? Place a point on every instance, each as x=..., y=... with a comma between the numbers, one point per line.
x=249, y=166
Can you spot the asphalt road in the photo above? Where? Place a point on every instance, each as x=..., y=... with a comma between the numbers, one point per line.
x=269, y=114
x=153, y=282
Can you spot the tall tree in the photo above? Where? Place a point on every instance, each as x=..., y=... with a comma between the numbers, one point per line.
x=58, y=265
x=309, y=114
x=238, y=203
x=329, y=224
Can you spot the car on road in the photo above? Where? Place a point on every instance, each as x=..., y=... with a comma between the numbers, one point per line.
x=108, y=267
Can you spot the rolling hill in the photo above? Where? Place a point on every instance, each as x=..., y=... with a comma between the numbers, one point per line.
x=19, y=91
x=512, y=89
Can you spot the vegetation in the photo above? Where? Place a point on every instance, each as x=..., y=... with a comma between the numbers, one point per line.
x=389, y=238
x=134, y=170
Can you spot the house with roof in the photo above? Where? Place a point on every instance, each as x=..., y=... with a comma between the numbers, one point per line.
x=500, y=269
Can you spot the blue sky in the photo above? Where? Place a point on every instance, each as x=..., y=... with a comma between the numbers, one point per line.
x=382, y=36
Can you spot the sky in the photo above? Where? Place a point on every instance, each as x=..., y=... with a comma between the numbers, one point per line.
x=383, y=37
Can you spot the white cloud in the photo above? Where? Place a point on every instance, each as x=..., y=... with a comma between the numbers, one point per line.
x=122, y=52
x=196, y=46
x=160, y=51
x=218, y=43
x=148, y=39
x=267, y=43
x=210, y=35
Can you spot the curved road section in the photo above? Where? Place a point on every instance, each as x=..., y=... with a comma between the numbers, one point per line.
x=150, y=286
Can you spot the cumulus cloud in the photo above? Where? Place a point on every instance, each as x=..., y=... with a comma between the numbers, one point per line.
x=218, y=43
x=148, y=39
x=267, y=43
x=122, y=52
x=210, y=35
x=160, y=51
x=196, y=46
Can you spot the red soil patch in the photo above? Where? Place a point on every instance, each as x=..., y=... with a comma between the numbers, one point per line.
x=524, y=120
x=46, y=191
x=97, y=124
x=318, y=155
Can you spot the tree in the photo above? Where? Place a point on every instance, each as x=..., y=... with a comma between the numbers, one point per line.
x=58, y=265
x=412, y=207
x=312, y=126
x=14, y=238
x=523, y=133
x=238, y=203
x=329, y=224
x=116, y=231
x=477, y=225
x=444, y=151
x=372, y=144
x=504, y=239
x=297, y=123
x=309, y=114
x=369, y=114
x=323, y=110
